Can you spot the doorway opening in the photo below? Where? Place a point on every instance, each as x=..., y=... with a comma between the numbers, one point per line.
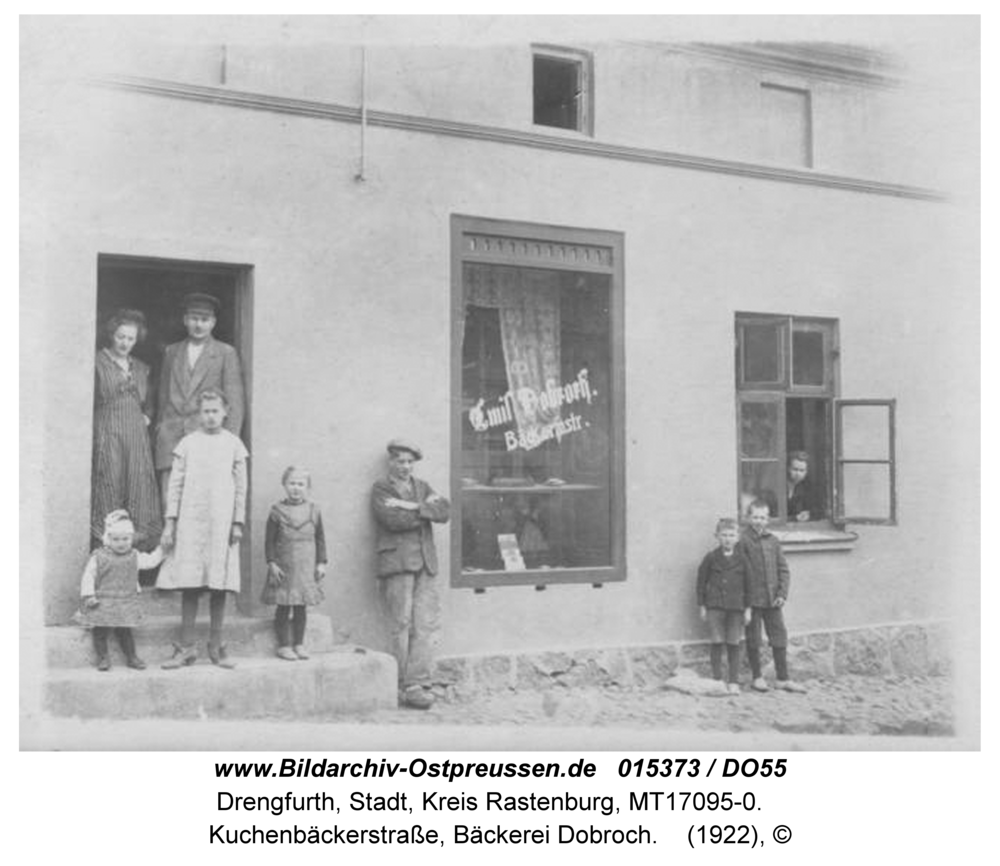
x=157, y=287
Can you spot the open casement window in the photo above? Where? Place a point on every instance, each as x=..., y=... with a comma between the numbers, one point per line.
x=786, y=383
x=865, y=489
x=562, y=90
x=789, y=418
x=538, y=387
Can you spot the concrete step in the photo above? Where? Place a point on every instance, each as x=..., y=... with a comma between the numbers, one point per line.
x=72, y=647
x=154, y=602
x=330, y=683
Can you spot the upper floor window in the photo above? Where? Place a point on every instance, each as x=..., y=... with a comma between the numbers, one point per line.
x=562, y=88
x=787, y=125
x=808, y=454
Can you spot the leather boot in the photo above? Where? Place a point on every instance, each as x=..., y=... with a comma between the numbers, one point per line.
x=127, y=641
x=182, y=657
x=217, y=653
x=100, y=638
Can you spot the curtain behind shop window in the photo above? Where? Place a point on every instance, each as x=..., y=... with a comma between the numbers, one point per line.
x=529, y=309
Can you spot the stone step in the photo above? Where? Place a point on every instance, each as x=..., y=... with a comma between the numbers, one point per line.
x=328, y=684
x=155, y=602
x=71, y=646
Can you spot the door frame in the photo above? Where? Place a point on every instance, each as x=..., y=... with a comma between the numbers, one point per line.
x=242, y=276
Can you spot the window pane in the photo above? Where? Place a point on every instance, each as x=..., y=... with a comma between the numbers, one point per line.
x=536, y=421
x=867, y=491
x=807, y=358
x=759, y=430
x=760, y=481
x=864, y=432
x=557, y=92
x=762, y=353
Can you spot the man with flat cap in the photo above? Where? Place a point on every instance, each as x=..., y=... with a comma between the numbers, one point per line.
x=191, y=366
x=405, y=507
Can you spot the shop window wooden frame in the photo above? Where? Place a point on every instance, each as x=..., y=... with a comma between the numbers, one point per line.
x=481, y=240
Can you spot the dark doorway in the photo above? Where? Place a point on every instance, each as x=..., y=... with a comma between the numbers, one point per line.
x=157, y=288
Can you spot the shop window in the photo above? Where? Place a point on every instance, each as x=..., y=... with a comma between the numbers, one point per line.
x=537, y=479
x=562, y=89
x=812, y=457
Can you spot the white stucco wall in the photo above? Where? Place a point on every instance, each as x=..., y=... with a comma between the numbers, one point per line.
x=351, y=288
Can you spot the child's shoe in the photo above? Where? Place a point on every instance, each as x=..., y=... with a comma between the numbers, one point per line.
x=300, y=652
x=760, y=685
x=733, y=688
x=219, y=657
x=131, y=659
x=100, y=638
x=182, y=657
x=789, y=686
x=287, y=653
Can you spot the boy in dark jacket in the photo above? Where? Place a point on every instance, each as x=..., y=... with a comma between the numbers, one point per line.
x=769, y=580
x=405, y=507
x=724, y=600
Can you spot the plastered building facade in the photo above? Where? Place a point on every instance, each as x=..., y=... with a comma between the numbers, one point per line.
x=333, y=198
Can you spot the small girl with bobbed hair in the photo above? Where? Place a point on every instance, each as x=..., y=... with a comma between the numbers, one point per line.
x=295, y=549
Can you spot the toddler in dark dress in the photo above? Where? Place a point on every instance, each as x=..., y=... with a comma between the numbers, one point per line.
x=109, y=590
x=295, y=548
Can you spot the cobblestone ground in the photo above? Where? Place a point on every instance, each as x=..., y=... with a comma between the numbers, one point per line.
x=859, y=705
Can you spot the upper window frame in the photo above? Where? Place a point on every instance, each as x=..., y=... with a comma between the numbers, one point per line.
x=807, y=156
x=585, y=105
x=502, y=242
x=787, y=326
x=783, y=387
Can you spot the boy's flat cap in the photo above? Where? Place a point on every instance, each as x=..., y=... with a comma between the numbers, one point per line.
x=404, y=445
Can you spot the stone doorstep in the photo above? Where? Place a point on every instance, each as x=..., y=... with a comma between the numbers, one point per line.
x=71, y=646
x=327, y=684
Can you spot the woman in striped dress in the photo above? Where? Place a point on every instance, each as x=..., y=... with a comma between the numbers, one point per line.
x=123, y=474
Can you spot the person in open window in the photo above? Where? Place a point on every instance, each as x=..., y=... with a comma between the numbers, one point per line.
x=405, y=508
x=198, y=363
x=804, y=503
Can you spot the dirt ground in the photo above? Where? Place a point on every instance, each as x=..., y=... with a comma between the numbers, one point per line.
x=855, y=705
x=848, y=713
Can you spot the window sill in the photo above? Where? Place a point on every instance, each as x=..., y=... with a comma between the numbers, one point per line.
x=568, y=131
x=815, y=539
x=533, y=489
x=537, y=577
